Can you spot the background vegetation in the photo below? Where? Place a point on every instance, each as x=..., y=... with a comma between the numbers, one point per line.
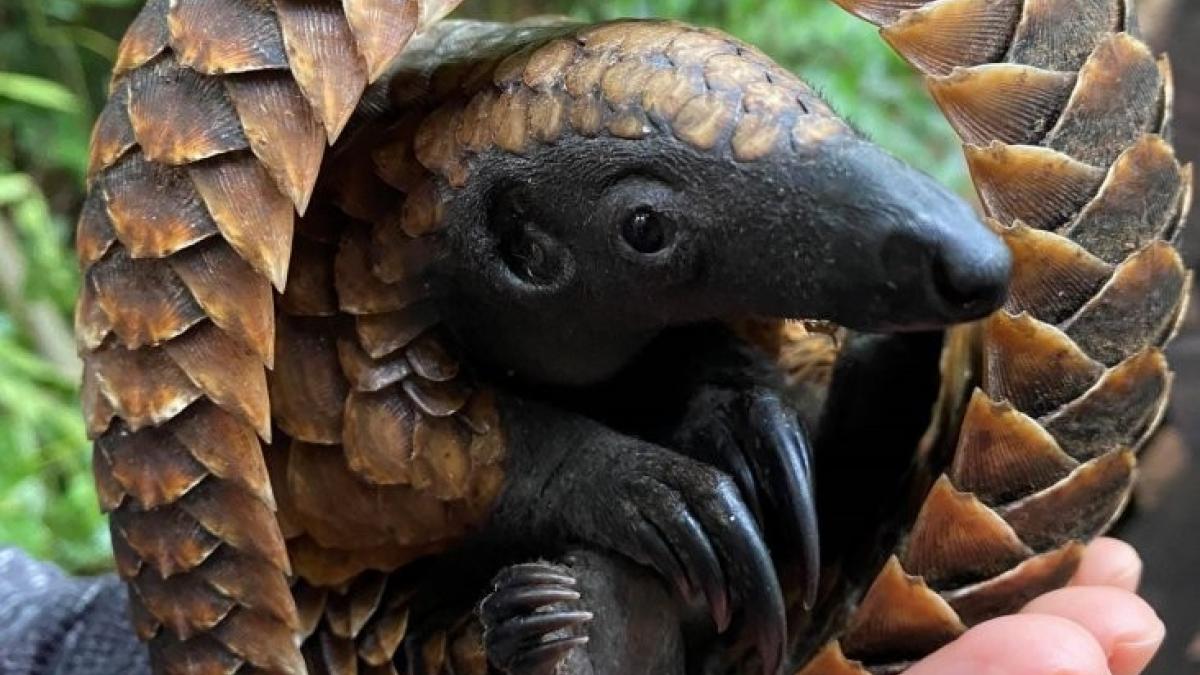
x=54, y=59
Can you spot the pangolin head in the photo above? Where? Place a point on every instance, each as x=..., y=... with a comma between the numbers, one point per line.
x=597, y=185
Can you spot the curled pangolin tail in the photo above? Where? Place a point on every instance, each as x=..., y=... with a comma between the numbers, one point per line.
x=212, y=138
x=1066, y=119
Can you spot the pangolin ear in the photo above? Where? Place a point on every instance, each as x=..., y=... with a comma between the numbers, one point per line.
x=534, y=258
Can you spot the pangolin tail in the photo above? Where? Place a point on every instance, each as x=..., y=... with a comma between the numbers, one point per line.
x=1066, y=119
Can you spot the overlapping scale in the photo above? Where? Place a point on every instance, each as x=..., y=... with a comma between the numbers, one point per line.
x=226, y=36
x=154, y=209
x=1137, y=307
x=1098, y=123
x=1036, y=185
x=368, y=374
x=169, y=539
x=1003, y=454
x=143, y=386
x=1009, y=592
x=945, y=34
x=899, y=617
x=1119, y=412
x=379, y=436
x=308, y=390
x=226, y=447
x=250, y=211
x=1009, y=103
x=957, y=540
x=112, y=136
x=384, y=334
x=145, y=302
x=180, y=116
x=151, y=466
x=94, y=232
x=238, y=520
x=1060, y=34
x=324, y=59
x=282, y=129
x=232, y=294
x=1085, y=502
x=1134, y=205
x=262, y=641
x=383, y=29
x=228, y=374
x=183, y=603
x=145, y=38
x=1052, y=276
x=1033, y=365
x=252, y=582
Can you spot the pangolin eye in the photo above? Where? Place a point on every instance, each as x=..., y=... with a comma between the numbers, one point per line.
x=645, y=231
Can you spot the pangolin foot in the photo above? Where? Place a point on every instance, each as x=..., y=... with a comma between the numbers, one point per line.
x=531, y=620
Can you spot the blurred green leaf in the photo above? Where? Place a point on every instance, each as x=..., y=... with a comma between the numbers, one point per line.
x=38, y=92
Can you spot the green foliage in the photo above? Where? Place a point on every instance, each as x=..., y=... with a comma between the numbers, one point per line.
x=47, y=503
x=54, y=61
x=53, y=73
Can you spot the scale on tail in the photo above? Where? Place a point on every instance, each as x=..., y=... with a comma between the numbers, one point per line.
x=1066, y=118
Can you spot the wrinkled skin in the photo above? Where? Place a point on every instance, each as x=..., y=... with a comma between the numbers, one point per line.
x=563, y=298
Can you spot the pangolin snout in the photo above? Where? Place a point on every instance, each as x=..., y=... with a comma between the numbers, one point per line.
x=868, y=242
x=973, y=285
x=942, y=257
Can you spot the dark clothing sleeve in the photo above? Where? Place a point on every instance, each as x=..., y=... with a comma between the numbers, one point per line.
x=54, y=624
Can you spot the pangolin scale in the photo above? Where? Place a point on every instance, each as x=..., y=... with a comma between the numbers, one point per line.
x=250, y=373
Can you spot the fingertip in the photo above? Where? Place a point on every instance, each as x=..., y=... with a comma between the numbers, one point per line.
x=1109, y=562
x=1124, y=625
x=1019, y=645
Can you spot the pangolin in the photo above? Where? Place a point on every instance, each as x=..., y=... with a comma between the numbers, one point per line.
x=311, y=374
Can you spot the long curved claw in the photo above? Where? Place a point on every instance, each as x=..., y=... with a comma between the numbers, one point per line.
x=545, y=658
x=692, y=547
x=529, y=625
x=700, y=518
x=751, y=575
x=782, y=462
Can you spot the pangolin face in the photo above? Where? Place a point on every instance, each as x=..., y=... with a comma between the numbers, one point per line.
x=645, y=175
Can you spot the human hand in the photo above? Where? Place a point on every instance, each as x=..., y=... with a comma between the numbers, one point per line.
x=1095, y=626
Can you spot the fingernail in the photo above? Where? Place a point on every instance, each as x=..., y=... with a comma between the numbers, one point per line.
x=1130, y=656
x=1129, y=576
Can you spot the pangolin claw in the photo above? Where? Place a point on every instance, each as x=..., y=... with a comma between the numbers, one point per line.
x=530, y=622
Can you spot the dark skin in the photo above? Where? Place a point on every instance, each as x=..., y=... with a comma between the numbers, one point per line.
x=557, y=297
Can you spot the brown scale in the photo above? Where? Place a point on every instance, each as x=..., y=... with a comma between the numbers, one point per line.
x=137, y=192
x=1052, y=276
x=144, y=301
x=229, y=185
x=1063, y=117
x=94, y=232
x=260, y=230
x=231, y=293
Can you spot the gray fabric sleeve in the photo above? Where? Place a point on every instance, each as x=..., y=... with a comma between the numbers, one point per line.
x=54, y=624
